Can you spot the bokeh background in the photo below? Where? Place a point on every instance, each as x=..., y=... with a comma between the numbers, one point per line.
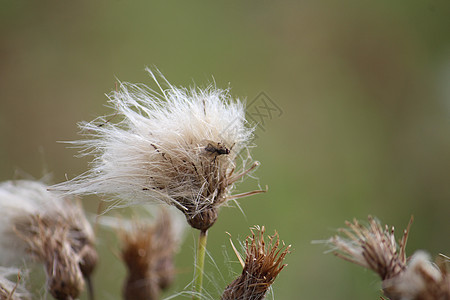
x=363, y=86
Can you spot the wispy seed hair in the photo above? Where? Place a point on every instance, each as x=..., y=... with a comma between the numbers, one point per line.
x=12, y=290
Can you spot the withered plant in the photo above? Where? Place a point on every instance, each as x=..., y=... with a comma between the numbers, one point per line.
x=263, y=263
x=148, y=251
x=403, y=278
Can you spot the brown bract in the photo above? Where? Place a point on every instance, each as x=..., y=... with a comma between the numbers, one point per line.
x=263, y=263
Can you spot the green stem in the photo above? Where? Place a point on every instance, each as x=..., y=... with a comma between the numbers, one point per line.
x=200, y=264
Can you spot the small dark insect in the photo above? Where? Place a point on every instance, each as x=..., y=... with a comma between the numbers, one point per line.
x=217, y=148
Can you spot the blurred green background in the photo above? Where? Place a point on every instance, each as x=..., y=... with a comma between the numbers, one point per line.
x=364, y=89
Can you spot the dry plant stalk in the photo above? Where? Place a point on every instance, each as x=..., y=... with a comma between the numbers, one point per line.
x=262, y=265
x=148, y=252
x=375, y=248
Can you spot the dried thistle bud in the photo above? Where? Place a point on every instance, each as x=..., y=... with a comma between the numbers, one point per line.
x=375, y=248
x=180, y=147
x=42, y=226
x=148, y=252
x=372, y=247
x=10, y=290
x=262, y=265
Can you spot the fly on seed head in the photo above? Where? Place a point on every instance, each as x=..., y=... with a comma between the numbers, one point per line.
x=217, y=148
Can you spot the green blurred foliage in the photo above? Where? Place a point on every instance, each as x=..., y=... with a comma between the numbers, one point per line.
x=363, y=87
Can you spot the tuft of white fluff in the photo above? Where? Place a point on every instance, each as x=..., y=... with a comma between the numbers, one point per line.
x=420, y=280
x=178, y=146
x=12, y=290
x=22, y=199
x=19, y=199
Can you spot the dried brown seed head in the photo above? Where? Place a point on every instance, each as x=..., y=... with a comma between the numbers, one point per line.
x=148, y=251
x=48, y=241
x=372, y=247
x=81, y=238
x=263, y=263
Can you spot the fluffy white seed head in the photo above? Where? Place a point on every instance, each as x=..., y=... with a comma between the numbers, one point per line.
x=41, y=226
x=179, y=146
x=18, y=199
x=22, y=199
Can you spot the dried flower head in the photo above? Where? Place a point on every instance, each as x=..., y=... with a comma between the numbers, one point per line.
x=262, y=265
x=148, y=252
x=179, y=147
x=373, y=247
x=48, y=241
x=10, y=290
x=40, y=225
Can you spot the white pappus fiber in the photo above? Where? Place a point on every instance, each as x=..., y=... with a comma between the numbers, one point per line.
x=179, y=147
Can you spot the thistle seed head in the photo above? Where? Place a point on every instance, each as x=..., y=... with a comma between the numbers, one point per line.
x=372, y=247
x=375, y=248
x=48, y=242
x=180, y=147
x=263, y=263
x=148, y=252
x=52, y=230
